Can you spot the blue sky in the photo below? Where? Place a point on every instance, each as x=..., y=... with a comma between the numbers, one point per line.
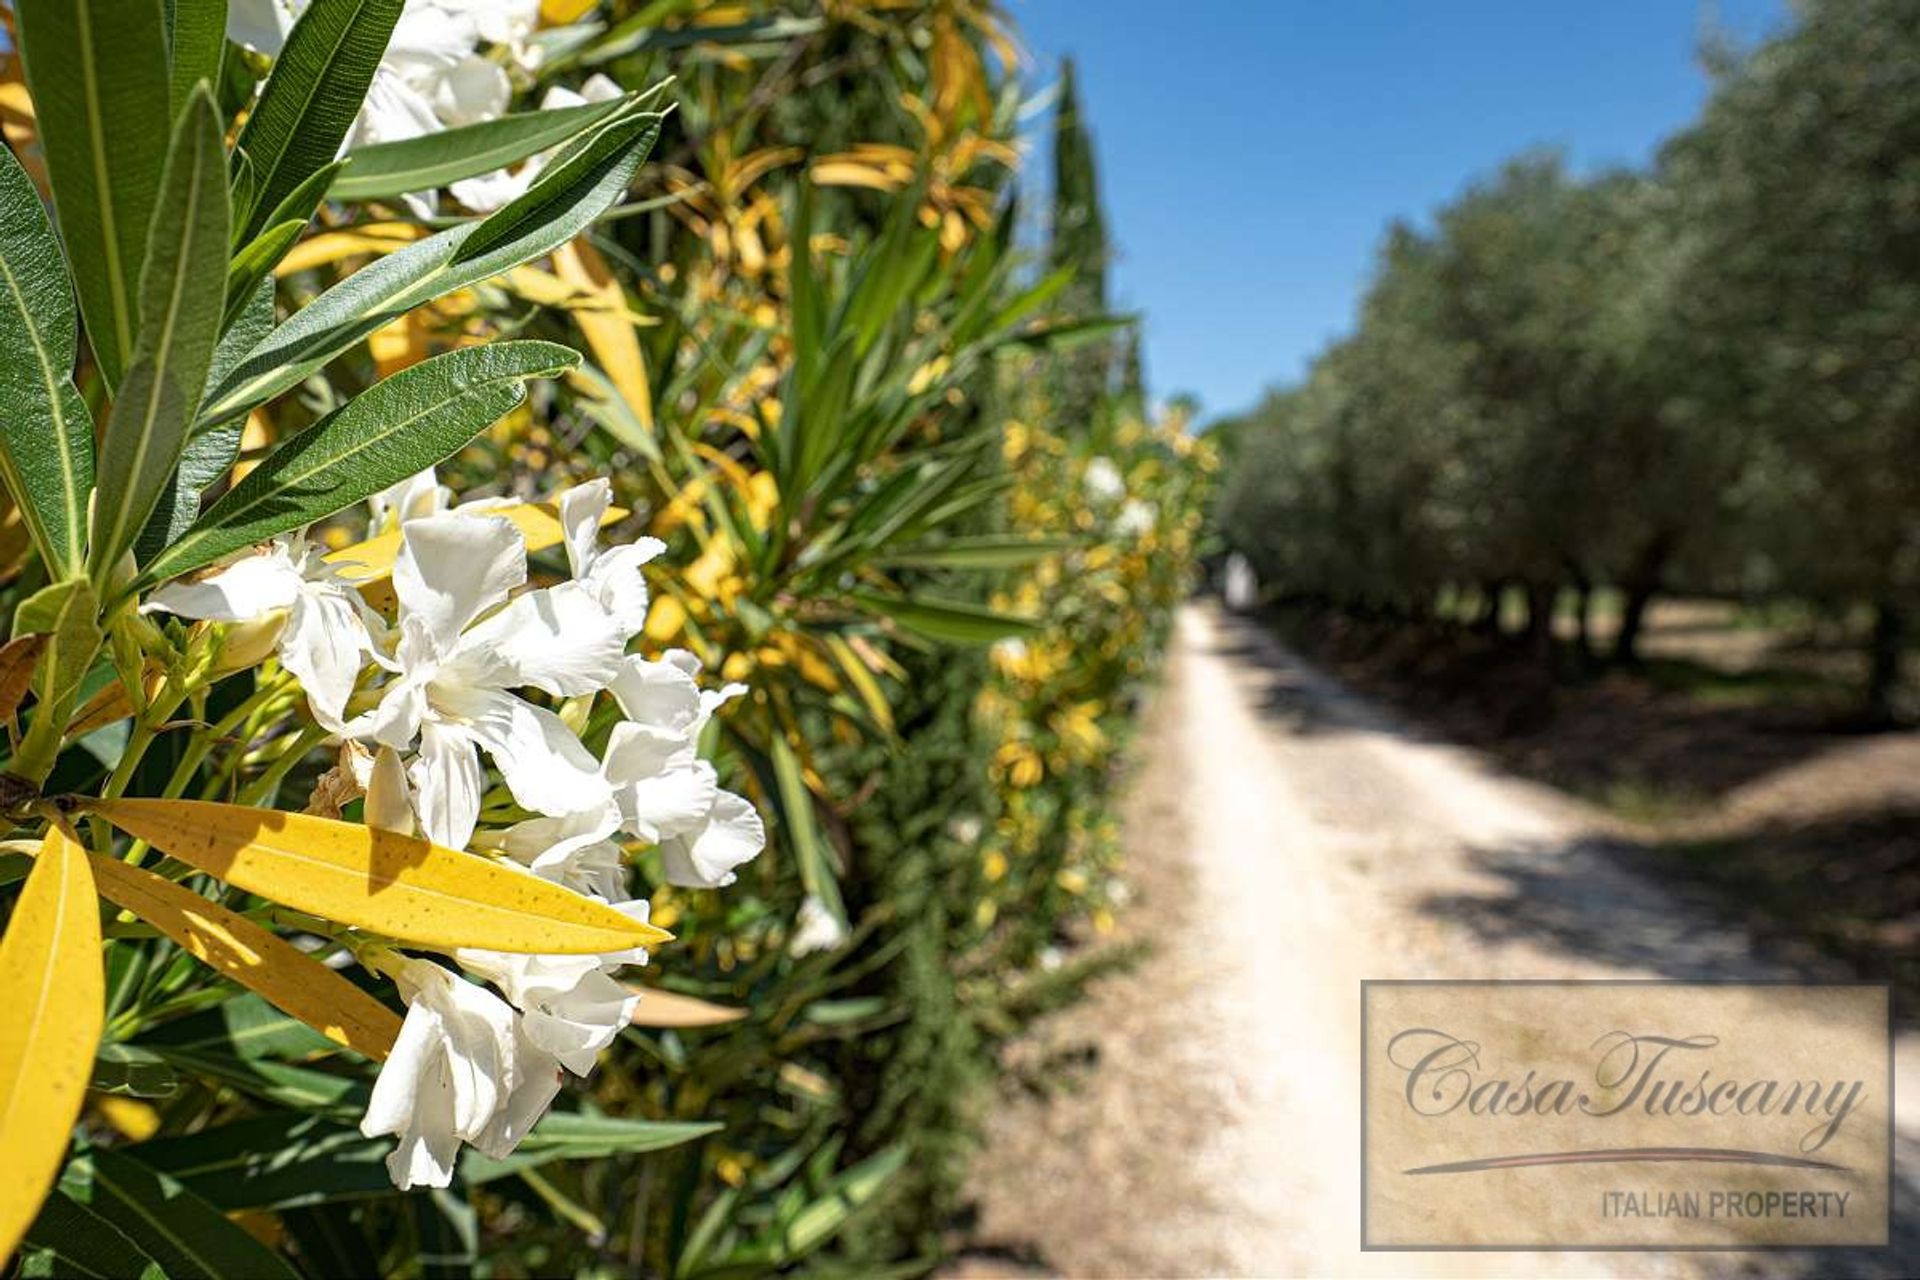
x=1253, y=151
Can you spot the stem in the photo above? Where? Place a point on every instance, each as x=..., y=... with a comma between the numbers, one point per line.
x=307, y=739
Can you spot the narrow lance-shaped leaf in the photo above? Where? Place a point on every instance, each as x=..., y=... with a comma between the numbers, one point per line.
x=257, y=959
x=403, y=887
x=98, y=73
x=572, y=196
x=310, y=101
x=46, y=434
x=947, y=621
x=196, y=42
x=988, y=551
x=82, y=1244
x=433, y=160
x=399, y=426
x=210, y=451
x=54, y=990
x=182, y=297
x=68, y=615
x=796, y=811
x=168, y=1222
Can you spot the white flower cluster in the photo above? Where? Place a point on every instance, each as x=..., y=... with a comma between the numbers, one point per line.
x=469, y=637
x=436, y=75
x=1106, y=487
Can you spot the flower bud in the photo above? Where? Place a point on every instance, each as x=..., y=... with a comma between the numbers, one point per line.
x=248, y=644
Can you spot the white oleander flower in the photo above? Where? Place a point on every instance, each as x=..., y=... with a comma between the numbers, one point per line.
x=460, y=656
x=328, y=630
x=460, y=1071
x=1136, y=518
x=1103, y=481
x=420, y=494
x=666, y=794
x=262, y=25
x=571, y=1007
x=572, y=850
x=815, y=929
x=610, y=574
x=704, y=857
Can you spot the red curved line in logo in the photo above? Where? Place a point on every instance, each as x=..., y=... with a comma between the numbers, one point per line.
x=1633, y=1155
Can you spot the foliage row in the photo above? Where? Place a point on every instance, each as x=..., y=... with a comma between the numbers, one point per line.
x=476, y=472
x=1701, y=377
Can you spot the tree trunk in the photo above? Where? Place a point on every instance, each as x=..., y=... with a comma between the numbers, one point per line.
x=1641, y=583
x=1488, y=620
x=1883, y=668
x=1582, y=632
x=1540, y=598
x=1626, y=646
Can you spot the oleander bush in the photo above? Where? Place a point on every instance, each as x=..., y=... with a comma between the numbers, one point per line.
x=569, y=592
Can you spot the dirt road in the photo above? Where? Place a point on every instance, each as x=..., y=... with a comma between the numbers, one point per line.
x=1199, y=1114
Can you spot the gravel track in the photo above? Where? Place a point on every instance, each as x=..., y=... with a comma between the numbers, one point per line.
x=1286, y=839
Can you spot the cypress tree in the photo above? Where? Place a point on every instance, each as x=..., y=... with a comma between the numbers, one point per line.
x=1078, y=243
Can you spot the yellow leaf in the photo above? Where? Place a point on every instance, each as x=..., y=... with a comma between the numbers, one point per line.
x=283, y=976
x=54, y=993
x=400, y=886
x=129, y=1116
x=558, y=13
x=602, y=315
x=863, y=682
x=333, y=246
x=670, y=1009
x=849, y=173
x=17, y=661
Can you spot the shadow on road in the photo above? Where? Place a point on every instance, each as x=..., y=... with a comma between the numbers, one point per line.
x=1591, y=899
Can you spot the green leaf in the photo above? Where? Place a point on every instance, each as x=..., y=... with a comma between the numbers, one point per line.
x=947, y=621
x=211, y=450
x=80, y=1243
x=123, y=1068
x=989, y=551
x=397, y=427
x=251, y=264
x=46, y=434
x=820, y=1220
x=447, y=1231
x=389, y=169
x=562, y=1135
x=332, y=1239
x=166, y=1221
x=571, y=198
x=553, y=197
x=310, y=101
x=69, y=613
x=98, y=73
x=290, y=1087
x=274, y=1162
x=280, y=230
x=182, y=297
x=1064, y=335
x=644, y=34
x=245, y=1027
x=277, y=1161
x=197, y=42
x=803, y=832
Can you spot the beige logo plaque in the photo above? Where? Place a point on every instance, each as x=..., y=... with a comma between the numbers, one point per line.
x=1609, y=1115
